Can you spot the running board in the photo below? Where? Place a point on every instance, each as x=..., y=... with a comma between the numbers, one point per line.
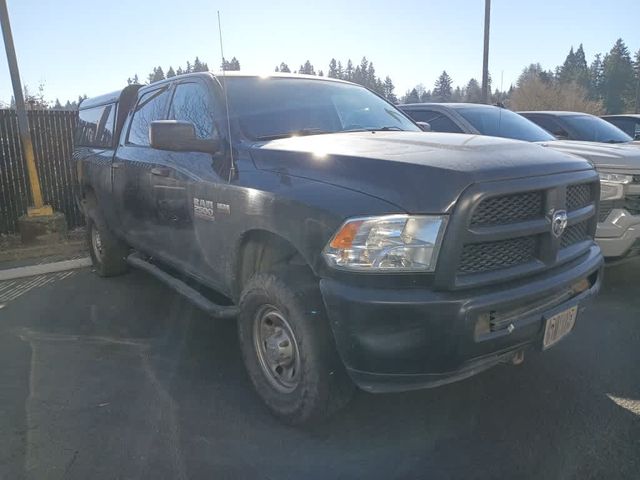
x=199, y=300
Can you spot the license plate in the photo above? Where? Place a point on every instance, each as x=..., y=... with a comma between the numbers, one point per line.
x=558, y=326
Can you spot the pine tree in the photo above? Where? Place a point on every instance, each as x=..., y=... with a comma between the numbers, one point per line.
x=370, y=78
x=618, y=79
x=534, y=70
x=363, y=77
x=565, y=73
x=307, y=68
x=357, y=75
x=411, y=97
x=457, y=95
x=636, y=67
x=442, y=88
x=473, y=92
x=189, y=68
x=197, y=65
x=284, y=68
x=171, y=72
x=426, y=96
x=348, y=72
x=57, y=105
x=574, y=69
x=388, y=88
x=596, y=74
x=333, y=69
x=235, y=64
x=320, y=73
x=156, y=75
x=581, y=68
x=340, y=71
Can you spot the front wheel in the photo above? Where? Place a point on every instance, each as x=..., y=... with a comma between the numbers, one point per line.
x=288, y=348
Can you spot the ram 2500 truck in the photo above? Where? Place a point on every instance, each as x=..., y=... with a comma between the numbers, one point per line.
x=351, y=247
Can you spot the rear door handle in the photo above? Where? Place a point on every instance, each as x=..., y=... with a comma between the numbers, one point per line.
x=161, y=171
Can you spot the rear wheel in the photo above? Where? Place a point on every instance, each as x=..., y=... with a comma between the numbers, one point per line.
x=108, y=253
x=288, y=348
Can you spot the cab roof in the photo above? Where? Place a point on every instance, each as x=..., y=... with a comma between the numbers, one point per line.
x=236, y=74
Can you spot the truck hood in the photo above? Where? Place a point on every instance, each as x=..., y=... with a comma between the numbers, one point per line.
x=416, y=171
x=622, y=156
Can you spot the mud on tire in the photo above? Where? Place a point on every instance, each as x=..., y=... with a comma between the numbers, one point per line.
x=288, y=347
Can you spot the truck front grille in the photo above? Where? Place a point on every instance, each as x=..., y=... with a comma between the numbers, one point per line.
x=578, y=196
x=485, y=257
x=529, y=242
x=508, y=209
x=574, y=234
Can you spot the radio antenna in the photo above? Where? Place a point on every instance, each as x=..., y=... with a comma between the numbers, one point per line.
x=232, y=170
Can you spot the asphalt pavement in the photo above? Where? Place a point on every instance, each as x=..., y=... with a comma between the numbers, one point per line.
x=120, y=378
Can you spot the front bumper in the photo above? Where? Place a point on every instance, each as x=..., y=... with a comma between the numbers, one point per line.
x=618, y=234
x=403, y=339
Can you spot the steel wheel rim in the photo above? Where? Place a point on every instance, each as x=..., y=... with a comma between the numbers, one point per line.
x=96, y=242
x=277, y=349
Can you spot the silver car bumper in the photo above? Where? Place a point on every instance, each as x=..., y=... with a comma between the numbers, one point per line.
x=618, y=233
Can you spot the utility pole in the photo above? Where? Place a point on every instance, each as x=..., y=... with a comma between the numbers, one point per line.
x=39, y=208
x=485, y=56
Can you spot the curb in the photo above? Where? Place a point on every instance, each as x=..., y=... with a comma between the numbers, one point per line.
x=33, y=270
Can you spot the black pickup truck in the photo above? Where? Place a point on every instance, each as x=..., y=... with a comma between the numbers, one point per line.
x=350, y=246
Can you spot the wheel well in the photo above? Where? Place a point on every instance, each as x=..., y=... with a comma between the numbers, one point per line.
x=262, y=251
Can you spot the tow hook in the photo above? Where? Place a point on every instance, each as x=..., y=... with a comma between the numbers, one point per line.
x=517, y=358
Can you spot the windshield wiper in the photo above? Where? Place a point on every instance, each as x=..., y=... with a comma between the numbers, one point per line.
x=376, y=129
x=295, y=133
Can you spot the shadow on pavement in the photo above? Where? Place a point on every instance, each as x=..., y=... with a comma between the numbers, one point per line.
x=133, y=382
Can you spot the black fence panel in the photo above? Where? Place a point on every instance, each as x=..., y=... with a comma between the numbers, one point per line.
x=52, y=135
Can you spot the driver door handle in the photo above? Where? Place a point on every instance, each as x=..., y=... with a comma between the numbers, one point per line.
x=161, y=171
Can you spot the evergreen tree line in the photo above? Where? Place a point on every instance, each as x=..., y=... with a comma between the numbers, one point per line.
x=610, y=84
x=363, y=74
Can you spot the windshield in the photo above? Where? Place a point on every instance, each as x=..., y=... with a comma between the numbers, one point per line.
x=267, y=108
x=594, y=129
x=499, y=122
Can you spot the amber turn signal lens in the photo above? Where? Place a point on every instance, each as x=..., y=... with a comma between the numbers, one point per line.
x=344, y=238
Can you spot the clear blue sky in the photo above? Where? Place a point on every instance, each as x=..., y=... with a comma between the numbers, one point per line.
x=78, y=46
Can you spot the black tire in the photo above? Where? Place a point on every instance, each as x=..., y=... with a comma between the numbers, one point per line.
x=322, y=386
x=109, y=257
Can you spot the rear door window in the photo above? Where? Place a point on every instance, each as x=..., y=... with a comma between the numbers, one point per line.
x=550, y=125
x=152, y=106
x=96, y=126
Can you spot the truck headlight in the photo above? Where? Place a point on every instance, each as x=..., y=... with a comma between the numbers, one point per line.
x=612, y=185
x=407, y=243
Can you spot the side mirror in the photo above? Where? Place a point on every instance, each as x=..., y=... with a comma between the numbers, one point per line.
x=179, y=136
x=424, y=126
